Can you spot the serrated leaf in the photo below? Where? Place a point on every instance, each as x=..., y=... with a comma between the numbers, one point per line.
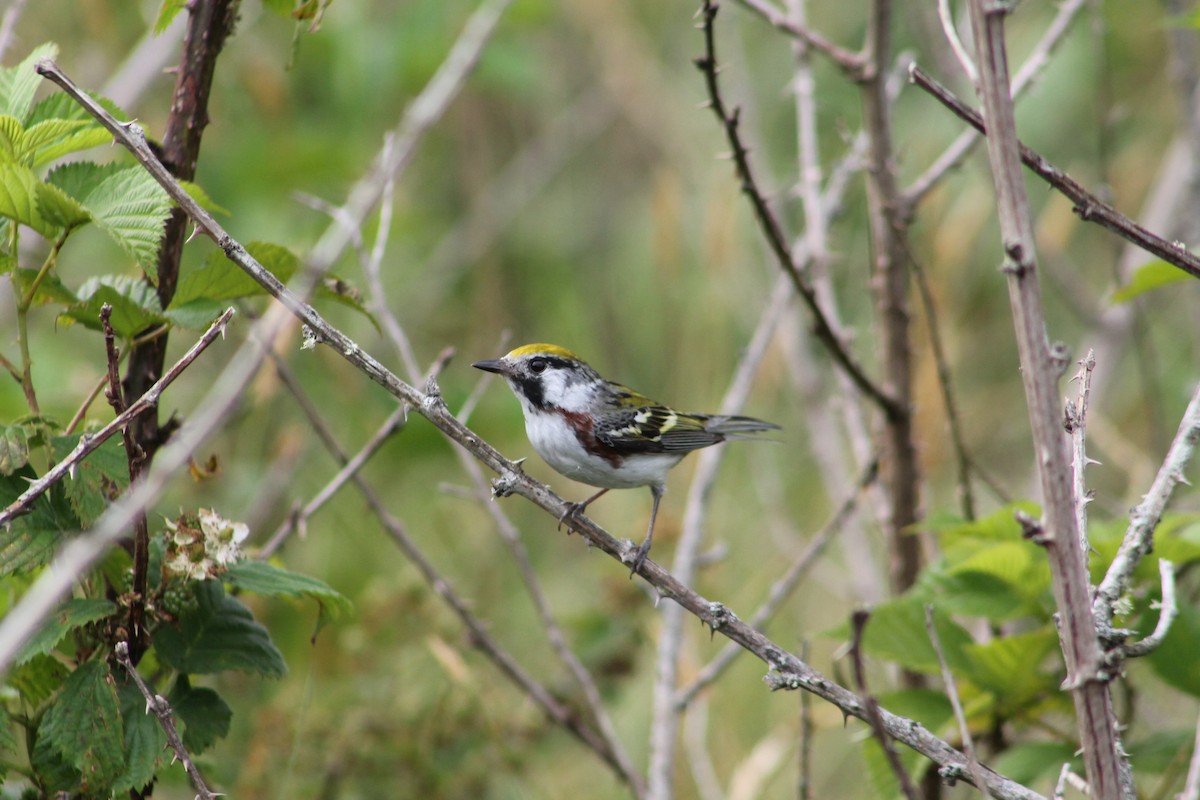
x=98, y=479
x=11, y=131
x=50, y=290
x=80, y=178
x=219, y=634
x=1027, y=763
x=60, y=209
x=14, y=449
x=19, y=84
x=37, y=679
x=205, y=714
x=132, y=209
x=1148, y=277
x=896, y=632
x=74, y=613
x=219, y=279
x=135, y=304
x=83, y=724
x=196, y=315
x=30, y=540
x=60, y=105
x=265, y=579
x=19, y=189
x=1009, y=666
x=145, y=741
x=1001, y=524
x=55, y=775
x=85, y=138
x=8, y=740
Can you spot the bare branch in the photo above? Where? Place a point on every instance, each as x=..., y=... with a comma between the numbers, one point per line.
x=1087, y=206
x=1168, y=610
x=1041, y=365
x=849, y=63
x=786, y=671
x=1139, y=536
x=946, y=16
x=955, y=702
x=1076, y=425
x=783, y=587
x=858, y=621
x=166, y=718
x=1191, y=788
x=953, y=155
x=89, y=442
x=771, y=228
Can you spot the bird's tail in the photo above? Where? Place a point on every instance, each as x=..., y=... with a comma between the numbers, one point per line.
x=732, y=427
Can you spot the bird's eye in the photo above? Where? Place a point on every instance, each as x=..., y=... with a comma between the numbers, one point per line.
x=538, y=365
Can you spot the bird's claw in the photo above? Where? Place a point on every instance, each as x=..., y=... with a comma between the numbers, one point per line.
x=573, y=510
x=639, y=558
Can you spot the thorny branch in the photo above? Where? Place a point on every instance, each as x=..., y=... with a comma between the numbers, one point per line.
x=88, y=443
x=1087, y=206
x=136, y=458
x=786, y=671
x=822, y=327
x=162, y=711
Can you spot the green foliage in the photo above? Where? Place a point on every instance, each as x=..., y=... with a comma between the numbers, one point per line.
x=97, y=481
x=1148, y=277
x=83, y=727
x=30, y=539
x=271, y=581
x=218, y=634
x=206, y=717
x=145, y=742
x=72, y=614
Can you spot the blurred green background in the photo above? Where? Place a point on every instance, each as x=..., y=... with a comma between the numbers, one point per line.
x=575, y=193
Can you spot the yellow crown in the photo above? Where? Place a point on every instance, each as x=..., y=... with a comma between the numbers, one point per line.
x=547, y=349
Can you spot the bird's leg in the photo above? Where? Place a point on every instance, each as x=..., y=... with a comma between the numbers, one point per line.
x=575, y=509
x=644, y=550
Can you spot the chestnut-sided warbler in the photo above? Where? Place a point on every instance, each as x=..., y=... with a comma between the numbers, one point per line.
x=604, y=434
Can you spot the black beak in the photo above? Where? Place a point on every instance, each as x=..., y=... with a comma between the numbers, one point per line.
x=492, y=365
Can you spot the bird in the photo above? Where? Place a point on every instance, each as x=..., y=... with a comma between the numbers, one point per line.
x=601, y=433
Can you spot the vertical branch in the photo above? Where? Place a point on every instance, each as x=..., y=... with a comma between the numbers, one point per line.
x=210, y=22
x=1041, y=366
x=888, y=220
x=1076, y=425
x=137, y=460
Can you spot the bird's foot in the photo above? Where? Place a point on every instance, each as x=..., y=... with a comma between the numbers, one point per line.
x=639, y=557
x=574, y=511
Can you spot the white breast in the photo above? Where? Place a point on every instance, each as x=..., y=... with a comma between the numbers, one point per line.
x=556, y=442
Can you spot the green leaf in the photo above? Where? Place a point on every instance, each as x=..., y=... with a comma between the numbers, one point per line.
x=72, y=614
x=335, y=289
x=19, y=84
x=37, y=679
x=1010, y=667
x=30, y=540
x=896, y=632
x=135, y=304
x=8, y=741
x=84, y=725
x=219, y=634
x=263, y=578
x=1148, y=277
x=1001, y=524
x=11, y=131
x=167, y=12
x=97, y=480
x=50, y=290
x=145, y=741
x=1175, y=660
x=929, y=707
x=197, y=193
x=54, y=774
x=206, y=716
x=14, y=449
x=85, y=137
x=60, y=209
x=19, y=190
x=219, y=279
x=132, y=209
x=1028, y=762
x=196, y=315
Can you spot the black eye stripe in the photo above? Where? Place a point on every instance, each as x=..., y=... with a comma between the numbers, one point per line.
x=542, y=363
